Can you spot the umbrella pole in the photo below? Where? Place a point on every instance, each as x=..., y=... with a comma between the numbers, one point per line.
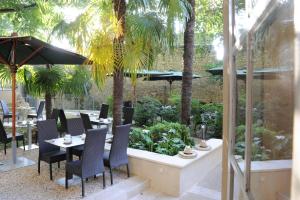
x=13, y=70
x=14, y=146
x=170, y=82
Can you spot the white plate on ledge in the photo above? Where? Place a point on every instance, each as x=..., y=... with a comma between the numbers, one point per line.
x=187, y=156
x=198, y=147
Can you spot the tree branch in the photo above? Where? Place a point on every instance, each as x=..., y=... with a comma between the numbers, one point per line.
x=9, y=10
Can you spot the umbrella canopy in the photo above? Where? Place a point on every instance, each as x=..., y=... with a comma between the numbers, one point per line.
x=170, y=77
x=32, y=51
x=142, y=73
x=258, y=73
x=18, y=51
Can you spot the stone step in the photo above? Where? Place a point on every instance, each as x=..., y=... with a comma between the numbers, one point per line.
x=199, y=192
x=122, y=191
x=195, y=193
x=148, y=195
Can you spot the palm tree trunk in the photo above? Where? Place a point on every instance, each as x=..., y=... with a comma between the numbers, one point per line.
x=188, y=59
x=120, y=10
x=48, y=104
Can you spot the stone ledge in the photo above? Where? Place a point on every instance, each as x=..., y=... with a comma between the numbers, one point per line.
x=174, y=161
x=173, y=175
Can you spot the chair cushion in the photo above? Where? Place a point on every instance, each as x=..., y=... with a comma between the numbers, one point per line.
x=53, y=156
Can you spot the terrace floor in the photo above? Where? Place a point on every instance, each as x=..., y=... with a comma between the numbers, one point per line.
x=26, y=183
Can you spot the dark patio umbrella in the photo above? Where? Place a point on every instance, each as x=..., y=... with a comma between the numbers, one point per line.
x=258, y=73
x=142, y=73
x=18, y=51
x=170, y=77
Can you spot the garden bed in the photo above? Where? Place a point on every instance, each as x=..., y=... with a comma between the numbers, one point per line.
x=173, y=175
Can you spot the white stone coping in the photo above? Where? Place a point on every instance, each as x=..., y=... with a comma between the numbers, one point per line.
x=174, y=161
x=268, y=165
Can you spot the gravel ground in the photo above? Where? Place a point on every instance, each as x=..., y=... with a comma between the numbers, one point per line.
x=26, y=183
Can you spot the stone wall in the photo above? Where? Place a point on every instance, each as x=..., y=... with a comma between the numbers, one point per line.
x=205, y=89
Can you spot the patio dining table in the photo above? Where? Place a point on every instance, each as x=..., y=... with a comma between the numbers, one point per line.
x=107, y=122
x=29, y=124
x=76, y=141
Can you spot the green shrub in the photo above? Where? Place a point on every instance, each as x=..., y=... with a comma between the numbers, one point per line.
x=164, y=138
x=140, y=139
x=169, y=113
x=209, y=114
x=146, y=111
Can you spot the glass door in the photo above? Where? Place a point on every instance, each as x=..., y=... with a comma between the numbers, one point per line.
x=261, y=71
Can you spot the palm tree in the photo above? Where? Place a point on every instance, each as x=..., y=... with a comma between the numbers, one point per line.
x=77, y=82
x=115, y=46
x=50, y=81
x=118, y=44
x=41, y=81
x=188, y=59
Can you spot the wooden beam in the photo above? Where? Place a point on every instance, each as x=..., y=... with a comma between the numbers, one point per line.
x=31, y=56
x=4, y=41
x=295, y=192
x=226, y=139
x=2, y=60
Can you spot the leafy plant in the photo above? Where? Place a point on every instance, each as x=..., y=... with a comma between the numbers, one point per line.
x=140, y=139
x=209, y=114
x=164, y=138
x=146, y=111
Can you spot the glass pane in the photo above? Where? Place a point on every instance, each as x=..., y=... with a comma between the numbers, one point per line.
x=240, y=64
x=240, y=59
x=273, y=63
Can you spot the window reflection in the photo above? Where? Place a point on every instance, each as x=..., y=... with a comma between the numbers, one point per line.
x=273, y=87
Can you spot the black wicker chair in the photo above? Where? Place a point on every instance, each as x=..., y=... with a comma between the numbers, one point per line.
x=7, y=138
x=62, y=128
x=91, y=163
x=104, y=111
x=117, y=156
x=47, y=152
x=128, y=115
x=55, y=114
x=5, y=111
x=86, y=121
x=75, y=128
x=39, y=112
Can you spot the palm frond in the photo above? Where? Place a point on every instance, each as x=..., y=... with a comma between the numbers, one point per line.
x=77, y=82
x=5, y=76
x=46, y=79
